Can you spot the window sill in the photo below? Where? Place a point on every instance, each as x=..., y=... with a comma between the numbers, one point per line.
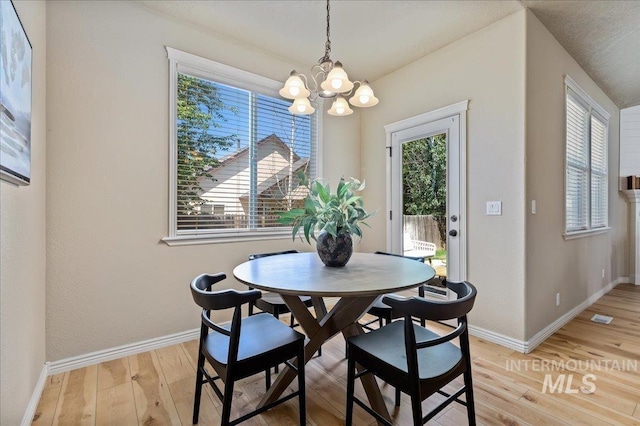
x=586, y=233
x=236, y=237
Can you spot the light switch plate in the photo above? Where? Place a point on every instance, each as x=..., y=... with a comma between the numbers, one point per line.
x=494, y=208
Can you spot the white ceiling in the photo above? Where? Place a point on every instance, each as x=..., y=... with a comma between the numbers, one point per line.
x=374, y=38
x=603, y=36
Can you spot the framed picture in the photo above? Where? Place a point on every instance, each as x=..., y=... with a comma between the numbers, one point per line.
x=15, y=98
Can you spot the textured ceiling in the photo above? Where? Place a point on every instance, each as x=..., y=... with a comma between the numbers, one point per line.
x=374, y=38
x=603, y=36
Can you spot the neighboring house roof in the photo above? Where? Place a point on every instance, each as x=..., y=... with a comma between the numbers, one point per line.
x=271, y=138
x=273, y=177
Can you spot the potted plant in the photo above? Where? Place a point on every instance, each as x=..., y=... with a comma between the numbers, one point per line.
x=335, y=216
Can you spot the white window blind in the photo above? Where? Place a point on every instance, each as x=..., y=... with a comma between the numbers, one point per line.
x=577, y=165
x=586, y=195
x=238, y=150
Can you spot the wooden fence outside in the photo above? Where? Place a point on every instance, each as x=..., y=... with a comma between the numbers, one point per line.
x=423, y=228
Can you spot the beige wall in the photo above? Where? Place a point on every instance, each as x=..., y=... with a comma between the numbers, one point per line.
x=572, y=268
x=22, y=242
x=110, y=281
x=487, y=68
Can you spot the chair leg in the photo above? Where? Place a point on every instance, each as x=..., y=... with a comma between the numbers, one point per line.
x=468, y=382
x=198, y=392
x=267, y=378
x=302, y=386
x=226, y=403
x=351, y=377
x=276, y=314
x=471, y=409
x=416, y=408
x=398, y=397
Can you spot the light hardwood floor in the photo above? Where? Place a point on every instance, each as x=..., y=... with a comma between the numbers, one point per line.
x=156, y=387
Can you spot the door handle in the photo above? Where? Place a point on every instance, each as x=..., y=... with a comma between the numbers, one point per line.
x=453, y=232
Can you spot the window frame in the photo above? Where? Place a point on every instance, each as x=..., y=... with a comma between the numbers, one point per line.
x=593, y=110
x=183, y=62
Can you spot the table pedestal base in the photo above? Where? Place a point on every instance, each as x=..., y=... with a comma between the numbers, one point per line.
x=343, y=318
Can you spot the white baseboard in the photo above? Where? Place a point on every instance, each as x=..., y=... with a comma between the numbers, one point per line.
x=27, y=419
x=500, y=339
x=97, y=357
x=529, y=345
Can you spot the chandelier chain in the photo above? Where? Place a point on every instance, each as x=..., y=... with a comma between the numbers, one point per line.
x=327, y=46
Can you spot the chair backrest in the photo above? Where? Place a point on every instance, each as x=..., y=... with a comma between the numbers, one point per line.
x=436, y=310
x=416, y=258
x=205, y=297
x=259, y=255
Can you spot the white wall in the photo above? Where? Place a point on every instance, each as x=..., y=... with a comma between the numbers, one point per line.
x=487, y=68
x=22, y=247
x=110, y=281
x=629, y=142
x=572, y=268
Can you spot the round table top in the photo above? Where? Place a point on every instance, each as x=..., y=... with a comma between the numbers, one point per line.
x=366, y=274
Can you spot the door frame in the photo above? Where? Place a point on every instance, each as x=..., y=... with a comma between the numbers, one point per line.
x=458, y=109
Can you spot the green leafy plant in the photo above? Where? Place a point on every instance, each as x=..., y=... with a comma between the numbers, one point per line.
x=335, y=213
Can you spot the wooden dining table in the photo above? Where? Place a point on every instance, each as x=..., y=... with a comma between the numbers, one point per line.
x=356, y=285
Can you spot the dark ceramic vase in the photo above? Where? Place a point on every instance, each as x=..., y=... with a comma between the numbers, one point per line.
x=334, y=251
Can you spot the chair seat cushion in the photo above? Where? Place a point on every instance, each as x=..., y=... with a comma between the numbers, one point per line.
x=387, y=345
x=258, y=334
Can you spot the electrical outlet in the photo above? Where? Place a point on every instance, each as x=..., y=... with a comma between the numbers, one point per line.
x=602, y=272
x=533, y=207
x=557, y=299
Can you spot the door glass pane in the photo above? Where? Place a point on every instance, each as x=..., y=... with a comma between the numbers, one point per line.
x=424, y=203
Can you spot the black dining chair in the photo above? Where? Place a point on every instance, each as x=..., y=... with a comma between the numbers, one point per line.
x=245, y=347
x=384, y=313
x=272, y=303
x=413, y=359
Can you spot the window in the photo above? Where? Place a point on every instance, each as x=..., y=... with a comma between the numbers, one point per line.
x=235, y=153
x=586, y=177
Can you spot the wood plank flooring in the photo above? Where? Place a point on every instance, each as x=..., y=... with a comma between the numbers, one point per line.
x=156, y=387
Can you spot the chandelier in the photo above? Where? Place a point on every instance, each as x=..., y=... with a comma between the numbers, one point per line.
x=327, y=80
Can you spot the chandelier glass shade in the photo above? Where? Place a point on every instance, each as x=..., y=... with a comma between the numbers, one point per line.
x=327, y=80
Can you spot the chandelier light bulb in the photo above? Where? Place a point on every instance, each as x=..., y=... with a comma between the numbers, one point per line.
x=337, y=80
x=301, y=106
x=364, y=96
x=294, y=87
x=340, y=107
